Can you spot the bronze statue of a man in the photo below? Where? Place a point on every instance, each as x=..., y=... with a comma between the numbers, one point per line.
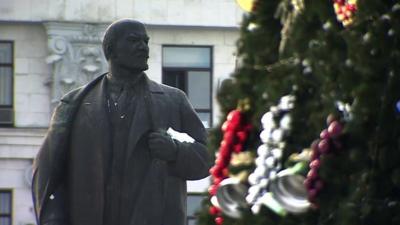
x=107, y=158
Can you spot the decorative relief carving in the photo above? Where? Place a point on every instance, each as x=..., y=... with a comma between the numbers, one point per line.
x=75, y=55
x=90, y=63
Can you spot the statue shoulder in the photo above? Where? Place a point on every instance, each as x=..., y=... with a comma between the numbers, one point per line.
x=168, y=89
x=72, y=95
x=77, y=93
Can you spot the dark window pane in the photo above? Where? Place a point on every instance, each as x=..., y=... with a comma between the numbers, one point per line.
x=5, y=203
x=5, y=86
x=5, y=53
x=175, y=79
x=193, y=57
x=193, y=204
x=199, y=89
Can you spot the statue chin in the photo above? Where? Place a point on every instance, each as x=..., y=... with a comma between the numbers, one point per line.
x=135, y=68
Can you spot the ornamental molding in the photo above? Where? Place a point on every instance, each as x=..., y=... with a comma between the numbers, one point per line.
x=75, y=54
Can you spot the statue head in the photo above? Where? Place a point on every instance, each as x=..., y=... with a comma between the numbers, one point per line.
x=125, y=44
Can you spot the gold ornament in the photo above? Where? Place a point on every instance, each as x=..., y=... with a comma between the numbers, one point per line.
x=244, y=105
x=242, y=158
x=304, y=155
x=246, y=5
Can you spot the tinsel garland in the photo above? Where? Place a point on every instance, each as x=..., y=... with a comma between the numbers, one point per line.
x=268, y=162
x=235, y=132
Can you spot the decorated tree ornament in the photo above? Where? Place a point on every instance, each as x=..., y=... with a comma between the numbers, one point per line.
x=328, y=143
x=246, y=5
x=276, y=124
x=235, y=132
x=219, y=220
x=345, y=10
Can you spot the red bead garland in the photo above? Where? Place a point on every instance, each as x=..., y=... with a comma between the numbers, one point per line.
x=327, y=143
x=345, y=10
x=235, y=133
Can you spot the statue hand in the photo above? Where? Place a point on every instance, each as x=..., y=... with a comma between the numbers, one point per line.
x=162, y=146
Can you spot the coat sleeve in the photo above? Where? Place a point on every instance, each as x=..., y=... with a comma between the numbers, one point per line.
x=47, y=192
x=193, y=160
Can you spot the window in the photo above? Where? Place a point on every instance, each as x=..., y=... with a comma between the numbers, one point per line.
x=193, y=205
x=6, y=83
x=189, y=69
x=5, y=207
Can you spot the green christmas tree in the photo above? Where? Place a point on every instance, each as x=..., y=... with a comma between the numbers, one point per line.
x=339, y=59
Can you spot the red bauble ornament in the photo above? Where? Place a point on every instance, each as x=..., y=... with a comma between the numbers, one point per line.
x=213, y=170
x=212, y=190
x=323, y=146
x=312, y=195
x=217, y=180
x=242, y=136
x=324, y=134
x=248, y=127
x=308, y=183
x=234, y=117
x=225, y=172
x=319, y=184
x=224, y=126
x=315, y=155
x=351, y=7
x=229, y=137
x=312, y=174
x=219, y=220
x=335, y=129
x=314, y=145
x=225, y=161
x=214, y=210
x=315, y=164
x=218, y=161
x=238, y=148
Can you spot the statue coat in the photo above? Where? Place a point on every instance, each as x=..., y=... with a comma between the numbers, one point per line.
x=154, y=191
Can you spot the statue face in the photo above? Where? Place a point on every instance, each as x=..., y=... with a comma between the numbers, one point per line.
x=131, y=49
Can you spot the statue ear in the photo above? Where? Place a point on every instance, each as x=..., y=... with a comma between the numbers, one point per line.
x=111, y=54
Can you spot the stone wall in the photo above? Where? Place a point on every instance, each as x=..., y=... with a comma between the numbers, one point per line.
x=31, y=73
x=165, y=12
x=17, y=149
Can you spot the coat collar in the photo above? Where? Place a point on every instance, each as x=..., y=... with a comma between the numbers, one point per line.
x=75, y=96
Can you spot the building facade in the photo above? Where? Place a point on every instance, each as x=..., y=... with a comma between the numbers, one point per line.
x=48, y=47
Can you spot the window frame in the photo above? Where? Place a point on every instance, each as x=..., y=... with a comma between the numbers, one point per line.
x=166, y=69
x=11, y=65
x=10, y=215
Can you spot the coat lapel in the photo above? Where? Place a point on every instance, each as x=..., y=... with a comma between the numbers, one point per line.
x=145, y=118
x=94, y=106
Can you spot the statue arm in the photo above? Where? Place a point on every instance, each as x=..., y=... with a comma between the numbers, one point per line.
x=47, y=190
x=192, y=160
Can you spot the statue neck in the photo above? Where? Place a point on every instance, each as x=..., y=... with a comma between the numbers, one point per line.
x=118, y=74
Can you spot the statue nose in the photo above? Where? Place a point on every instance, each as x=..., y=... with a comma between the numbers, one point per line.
x=143, y=46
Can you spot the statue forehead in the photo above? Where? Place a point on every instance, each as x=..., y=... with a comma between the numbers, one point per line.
x=127, y=26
